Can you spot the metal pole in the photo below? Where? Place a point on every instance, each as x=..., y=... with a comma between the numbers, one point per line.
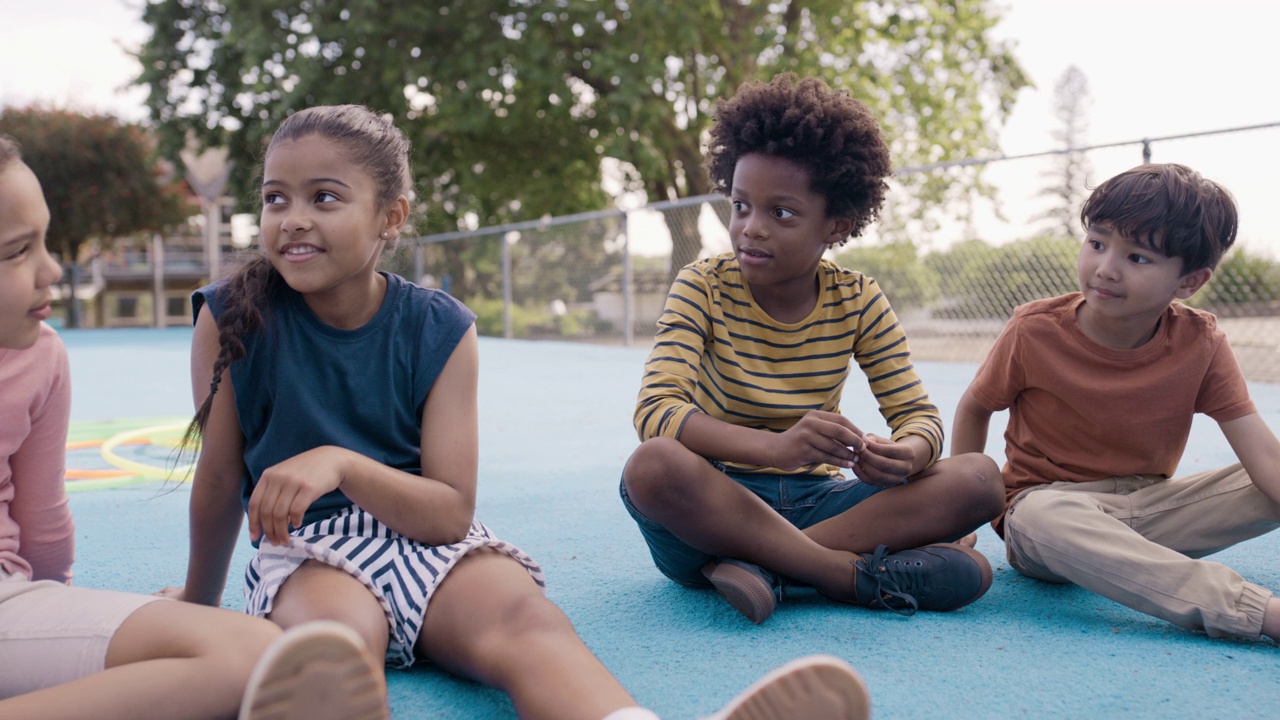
x=159, y=300
x=628, y=294
x=419, y=263
x=73, y=300
x=1146, y=150
x=213, y=238
x=507, y=239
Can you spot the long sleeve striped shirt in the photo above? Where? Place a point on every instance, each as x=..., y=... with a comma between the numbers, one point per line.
x=717, y=352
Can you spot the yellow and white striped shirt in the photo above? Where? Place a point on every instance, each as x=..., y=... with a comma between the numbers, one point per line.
x=717, y=352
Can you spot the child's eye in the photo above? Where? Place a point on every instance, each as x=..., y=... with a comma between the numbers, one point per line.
x=738, y=205
x=783, y=213
x=19, y=252
x=272, y=198
x=324, y=196
x=1139, y=259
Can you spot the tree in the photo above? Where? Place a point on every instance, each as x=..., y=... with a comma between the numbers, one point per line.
x=101, y=177
x=1069, y=178
x=513, y=104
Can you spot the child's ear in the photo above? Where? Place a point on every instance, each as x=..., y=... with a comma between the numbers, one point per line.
x=397, y=216
x=838, y=229
x=1191, y=283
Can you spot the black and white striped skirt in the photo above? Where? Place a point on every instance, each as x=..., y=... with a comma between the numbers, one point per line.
x=401, y=573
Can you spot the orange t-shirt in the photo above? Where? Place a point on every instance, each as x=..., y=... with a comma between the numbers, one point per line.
x=1079, y=411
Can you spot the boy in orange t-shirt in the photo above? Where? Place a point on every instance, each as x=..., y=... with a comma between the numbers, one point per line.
x=1101, y=387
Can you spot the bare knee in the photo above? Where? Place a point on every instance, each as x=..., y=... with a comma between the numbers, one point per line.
x=656, y=474
x=525, y=627
x=316, y=591
x=977, y=479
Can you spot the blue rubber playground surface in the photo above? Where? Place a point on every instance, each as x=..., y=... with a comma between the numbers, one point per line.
x=555, y=430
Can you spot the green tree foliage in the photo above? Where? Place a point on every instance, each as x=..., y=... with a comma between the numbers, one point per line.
x=906, y=280
x=983, y=281
x=100, y=176
x=512, y=104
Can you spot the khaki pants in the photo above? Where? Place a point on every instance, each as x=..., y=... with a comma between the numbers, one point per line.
x=1138, y=539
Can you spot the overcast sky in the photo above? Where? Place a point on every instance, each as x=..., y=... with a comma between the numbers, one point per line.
x=1155, y=68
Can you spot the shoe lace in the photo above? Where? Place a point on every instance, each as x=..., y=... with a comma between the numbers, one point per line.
x=893, y=581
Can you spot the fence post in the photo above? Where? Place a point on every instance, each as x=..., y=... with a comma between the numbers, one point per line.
x=159, y=301
x=507, y=239
x=628, y=299
x=418, y=263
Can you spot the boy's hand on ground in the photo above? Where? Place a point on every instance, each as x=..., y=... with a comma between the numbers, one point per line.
x=884, y=463
x=819, y=437
x=287, y=489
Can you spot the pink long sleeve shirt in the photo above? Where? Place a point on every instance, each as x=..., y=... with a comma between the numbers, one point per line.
x=37, y=534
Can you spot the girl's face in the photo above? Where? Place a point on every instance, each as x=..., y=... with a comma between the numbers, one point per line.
x=27, y=273
x=322, y=227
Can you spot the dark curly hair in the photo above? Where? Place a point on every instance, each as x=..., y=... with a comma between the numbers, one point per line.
x=1169, y=207
x=814, y=126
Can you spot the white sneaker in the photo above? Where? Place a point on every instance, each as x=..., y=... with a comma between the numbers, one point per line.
x=817, y=687
x=316, y=671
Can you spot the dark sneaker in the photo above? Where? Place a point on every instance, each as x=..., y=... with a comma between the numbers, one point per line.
x=934, y=577
x=749, y=588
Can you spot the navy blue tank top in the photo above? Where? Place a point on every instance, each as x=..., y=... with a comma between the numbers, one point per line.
x=303, y=384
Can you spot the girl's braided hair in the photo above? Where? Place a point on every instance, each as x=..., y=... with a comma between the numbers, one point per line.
x=369, y=141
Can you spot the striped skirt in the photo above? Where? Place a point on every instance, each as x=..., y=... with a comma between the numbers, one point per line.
x=401, y=573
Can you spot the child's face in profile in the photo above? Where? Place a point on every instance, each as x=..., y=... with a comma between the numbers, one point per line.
x=26, y=270
x=1121, y=277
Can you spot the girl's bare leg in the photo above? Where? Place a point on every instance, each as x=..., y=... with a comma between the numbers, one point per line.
x=168, y=661
x=490, y=622
x=316, y=591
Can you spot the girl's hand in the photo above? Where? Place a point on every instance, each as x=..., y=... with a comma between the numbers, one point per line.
x=819, y=437
x=180, y=594
x=173, y=593
x=287, y=489
x=884, y=463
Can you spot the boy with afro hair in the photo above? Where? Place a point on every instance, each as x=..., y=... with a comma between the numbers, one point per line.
x=739, y=482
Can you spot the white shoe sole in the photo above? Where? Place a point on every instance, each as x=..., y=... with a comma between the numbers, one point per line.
x=316, y=671
x=817, y=687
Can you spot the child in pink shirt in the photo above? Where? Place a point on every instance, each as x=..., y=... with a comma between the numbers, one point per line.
x=71, y=652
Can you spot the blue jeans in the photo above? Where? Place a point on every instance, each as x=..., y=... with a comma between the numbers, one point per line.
x=803, y=500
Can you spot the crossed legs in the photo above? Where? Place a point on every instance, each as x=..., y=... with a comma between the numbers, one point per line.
x=709, y=511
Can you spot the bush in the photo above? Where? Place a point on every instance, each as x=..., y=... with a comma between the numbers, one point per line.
x=905, y=279
x=980, y=281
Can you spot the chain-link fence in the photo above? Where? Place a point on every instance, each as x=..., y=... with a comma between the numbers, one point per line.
x=603, y=277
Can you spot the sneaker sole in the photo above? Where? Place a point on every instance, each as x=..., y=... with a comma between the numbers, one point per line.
x=316, y=671
x=984, y=568
x=818, y=687
x=744, y=591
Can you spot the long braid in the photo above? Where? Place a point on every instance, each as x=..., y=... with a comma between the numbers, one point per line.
x=247, y=292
